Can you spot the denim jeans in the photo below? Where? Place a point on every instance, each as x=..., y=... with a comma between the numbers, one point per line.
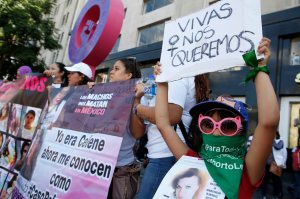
x=154, y=173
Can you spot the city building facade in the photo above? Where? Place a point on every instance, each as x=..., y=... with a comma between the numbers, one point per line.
x=142, y=33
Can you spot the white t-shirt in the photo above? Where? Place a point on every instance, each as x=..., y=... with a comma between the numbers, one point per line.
x=56, y=85
x=27, y=134
x=3, y=125
x=182, y=93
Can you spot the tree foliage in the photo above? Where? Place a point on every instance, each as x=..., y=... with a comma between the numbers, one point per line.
x=25, y=29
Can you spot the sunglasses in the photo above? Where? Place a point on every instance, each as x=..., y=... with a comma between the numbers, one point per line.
x=227, y=126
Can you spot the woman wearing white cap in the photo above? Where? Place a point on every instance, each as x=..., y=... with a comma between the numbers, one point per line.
x=79, y=74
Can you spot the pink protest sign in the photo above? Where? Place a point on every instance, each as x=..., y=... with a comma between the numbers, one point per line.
x=96, y=31
x=75, y=152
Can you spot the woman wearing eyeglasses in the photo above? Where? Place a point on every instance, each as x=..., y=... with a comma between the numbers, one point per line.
x=223, y=124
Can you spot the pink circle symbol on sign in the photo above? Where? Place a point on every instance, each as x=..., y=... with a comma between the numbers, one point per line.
x=96, y=31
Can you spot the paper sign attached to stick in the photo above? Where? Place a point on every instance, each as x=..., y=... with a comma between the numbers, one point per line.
x=212, y=39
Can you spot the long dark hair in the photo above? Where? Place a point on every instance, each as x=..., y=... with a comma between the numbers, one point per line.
x=202, y=90
x=85, y=79
x=131, y=67
x=61, y=67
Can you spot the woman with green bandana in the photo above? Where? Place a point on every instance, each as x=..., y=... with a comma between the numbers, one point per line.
x=223, y=123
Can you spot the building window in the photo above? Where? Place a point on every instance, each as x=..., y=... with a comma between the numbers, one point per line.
x=60, y=37
x=65, y=19
x=55, y=56
x=294, y=127
x=102, y=77
x=295, y=51
x=69, y=2
x=151, y=34
x=116, y=46
x=150, y=5
x=56, y=10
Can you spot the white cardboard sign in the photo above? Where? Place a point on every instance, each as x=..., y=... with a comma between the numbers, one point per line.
x=179, y=183
x=212, y=39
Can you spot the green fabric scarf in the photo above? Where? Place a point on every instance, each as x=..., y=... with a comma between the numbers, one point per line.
x=224, y=159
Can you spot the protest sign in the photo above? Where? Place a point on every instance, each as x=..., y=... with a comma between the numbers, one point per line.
x=21, y=105
x=188, y=172
x=79, y=145
x=212, y=39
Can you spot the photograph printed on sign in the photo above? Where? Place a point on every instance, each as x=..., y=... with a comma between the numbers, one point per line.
x=21, y=154
x=14, y=119
x=2, y=141
x=30, y=160
x=8, y=155
x=7, y=183
x=188, y=179
x=4, y=114
x=30, y=117
x=57, y=100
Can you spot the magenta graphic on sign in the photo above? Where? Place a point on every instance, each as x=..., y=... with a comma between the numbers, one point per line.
x=96, y=31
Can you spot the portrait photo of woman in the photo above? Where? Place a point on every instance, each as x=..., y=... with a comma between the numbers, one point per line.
x=187, y=184
x=22, y=154
x=30, y=160
x=183, y=182
x=8, y=155
x=4, y=112
x=14, y=119
x=55, y=107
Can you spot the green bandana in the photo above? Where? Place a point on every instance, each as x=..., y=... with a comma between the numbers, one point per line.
x=224, y=159
x=251, y=60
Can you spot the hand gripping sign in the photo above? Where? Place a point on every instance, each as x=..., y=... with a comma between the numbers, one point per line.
x=96, y=31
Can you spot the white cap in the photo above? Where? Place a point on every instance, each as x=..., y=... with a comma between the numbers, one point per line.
x=82, y=68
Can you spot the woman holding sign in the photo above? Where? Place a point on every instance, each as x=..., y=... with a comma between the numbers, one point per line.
x=223, y=123
x=78, y=74
x=183, y=94
x=126, y=176
x=58, y=73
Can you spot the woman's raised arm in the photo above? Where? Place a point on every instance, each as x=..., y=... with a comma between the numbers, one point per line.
x=268, y=119
x=177, y=147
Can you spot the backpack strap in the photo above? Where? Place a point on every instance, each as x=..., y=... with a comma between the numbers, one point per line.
x=183, y=131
